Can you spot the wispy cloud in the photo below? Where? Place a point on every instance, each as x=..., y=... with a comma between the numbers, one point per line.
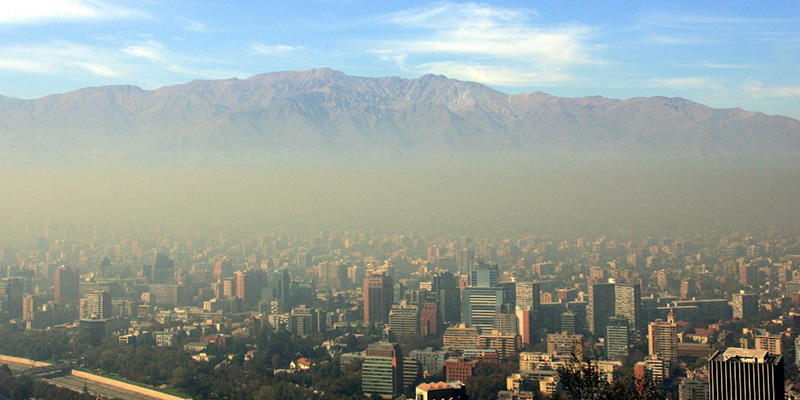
x=150, y=50
x=758, y=90
x=58, y=56
x=692, y=82
x=39, y=11
x=712, y=65
x=704, y=22
x=274, y=50
x=496, y=44
x=195, y=26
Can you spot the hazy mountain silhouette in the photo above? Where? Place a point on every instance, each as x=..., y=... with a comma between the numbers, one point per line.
x=325, y=111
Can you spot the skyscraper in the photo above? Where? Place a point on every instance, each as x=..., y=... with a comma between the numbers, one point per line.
x=163, y=269
x=378, y=298
x=601, y=307
x=745, y=305
x=663, y=338
x=484, y=276
x=449, y=297
x=248, y=287
x=303, y=321
x=617, y=338
x=430, y=321
x=382, y=369
x=628, y=299
x=404, y=319
x=96, y=305
x=740, y=374
x=481, y=304
x=528, y=296
x=66, y=286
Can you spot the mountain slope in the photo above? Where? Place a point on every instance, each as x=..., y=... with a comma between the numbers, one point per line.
x=327, y=111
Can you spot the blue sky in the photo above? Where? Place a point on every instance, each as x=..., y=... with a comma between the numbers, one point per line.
x=720, y=53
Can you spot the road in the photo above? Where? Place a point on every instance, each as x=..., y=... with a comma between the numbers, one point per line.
x=77, y=384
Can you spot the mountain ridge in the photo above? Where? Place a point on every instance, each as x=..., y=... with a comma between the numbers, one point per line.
x=327, y=111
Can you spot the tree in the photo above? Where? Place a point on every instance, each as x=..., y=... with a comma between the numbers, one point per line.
x=585, y=381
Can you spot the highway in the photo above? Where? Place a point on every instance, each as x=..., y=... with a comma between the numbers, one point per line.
x=77, y=384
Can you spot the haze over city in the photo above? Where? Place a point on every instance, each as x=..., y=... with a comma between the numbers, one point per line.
x=345, y=200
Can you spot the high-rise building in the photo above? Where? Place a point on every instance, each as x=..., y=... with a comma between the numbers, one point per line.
x=772, y=343
x=382, y=370
x=465, y=260
x=745, y=305
x=430, y=321
x=11, y=292
x=303, y=321
x=461, y=337
x=528, y=296
x=688, y=288
x=601, y=307
x=248, y=287
x=378, y=298
x=481, y=304
x=96, y=305
x=163, y=269
x=653, y=367
x=564, y=344
x=506, y=323
x=663, y=338
x=568, y=322
x=404, y=319
x=67, y=286
x=628, y=299
x=748, y=274
x=484, y=275
x=741, y=374
x=617, y=338
x=449, y=297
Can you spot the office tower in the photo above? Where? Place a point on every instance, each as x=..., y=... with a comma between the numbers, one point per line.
x=527, y=296
x=229, y=288
x=688, y=288
x=281, y=285
x=628, y=299
x=740, y=374
x=525, y=325
x=465, y=260
x=481, y=304
x=248, y=287
x=382, y=370
x=163, y=269
x=772, y=343
x=430, y=361
x=93, y=329
x=693, y=387
x=303, y=321
x=66, y=286
x=404, y=319
x=461, y=337
x=429, y=320
x=568, y=321
x=663, y=338
x=748, y=275
x=662, y=279
x=11, y=292
x=96, y=305
x=617, y=338
x=601, y=307
x=745, y=305
x=378, y=298
x=506, y=323
x=484, y=275
x=449, y=297
x=28, y=307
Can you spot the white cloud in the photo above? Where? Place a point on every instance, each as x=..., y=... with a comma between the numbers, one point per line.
x=692, y=82
x=38, y=11
x=274, y=50
x=758, y=90
x=497, y=44
x=150, y=50
x=58, y=56
x=662, y=39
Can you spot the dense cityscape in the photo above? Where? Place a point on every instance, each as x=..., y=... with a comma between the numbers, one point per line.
x=349, y=314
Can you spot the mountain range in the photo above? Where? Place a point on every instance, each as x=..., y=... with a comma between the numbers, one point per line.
x=326, y=111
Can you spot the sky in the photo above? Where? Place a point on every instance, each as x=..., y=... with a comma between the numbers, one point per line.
x=720, y=53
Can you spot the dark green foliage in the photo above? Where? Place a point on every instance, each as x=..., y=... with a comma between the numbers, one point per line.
x=584, y=381
x=488, y=379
